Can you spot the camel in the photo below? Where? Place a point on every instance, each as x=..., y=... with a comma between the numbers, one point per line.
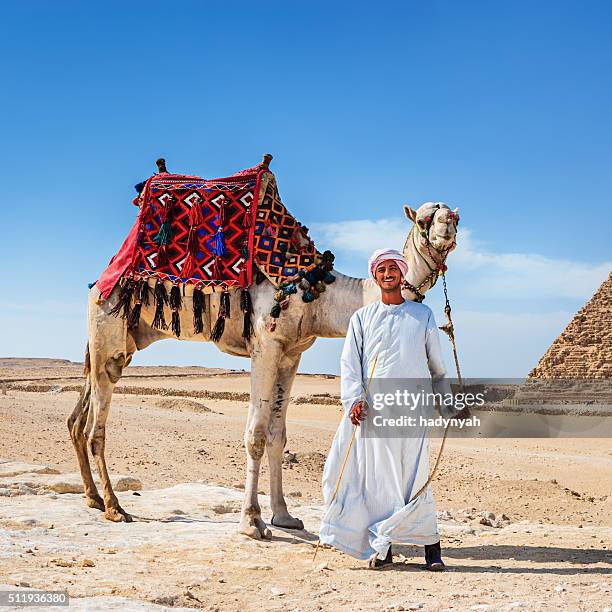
x=275, y=357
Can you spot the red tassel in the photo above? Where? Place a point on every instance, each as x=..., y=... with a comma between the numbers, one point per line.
x=138, y=260
x=188, y=266
x=247, y=219
x=222, y=213
x=145, y=216
x=243, y=275
x=193, y=240
x=162, y=258
x=193, y=246
x=195, y=214
x=216, y=269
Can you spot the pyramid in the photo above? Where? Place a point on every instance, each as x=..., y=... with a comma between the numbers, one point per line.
x=584, y=349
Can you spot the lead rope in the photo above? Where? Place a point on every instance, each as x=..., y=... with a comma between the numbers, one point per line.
x=448, y=329
x=333, y=497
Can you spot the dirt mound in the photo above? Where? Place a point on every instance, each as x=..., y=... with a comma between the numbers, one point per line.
x=181, y=404
x=312, y=461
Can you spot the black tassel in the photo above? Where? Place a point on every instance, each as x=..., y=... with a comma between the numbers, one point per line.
x=247, y=308
x=218, y=329
x=224, y=308
x=198, y=309
x=175, y=297
x=161, y=299
x=224, y=313
x=245, y=301
x=247, y=326
x=134, y=317
x=125, y=299
x=176, y=322
x=244, y=252
x=144, y=294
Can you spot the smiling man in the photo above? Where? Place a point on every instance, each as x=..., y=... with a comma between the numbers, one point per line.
x=372, y=508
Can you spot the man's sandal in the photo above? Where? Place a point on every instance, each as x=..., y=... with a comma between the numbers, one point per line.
x=375, y=563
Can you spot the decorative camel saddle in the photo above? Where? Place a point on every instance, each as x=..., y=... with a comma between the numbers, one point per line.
x=210, y=234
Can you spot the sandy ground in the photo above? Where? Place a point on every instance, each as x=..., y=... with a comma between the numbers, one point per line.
x=552, y=553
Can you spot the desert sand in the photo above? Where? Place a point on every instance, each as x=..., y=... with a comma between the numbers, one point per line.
x=525, y=524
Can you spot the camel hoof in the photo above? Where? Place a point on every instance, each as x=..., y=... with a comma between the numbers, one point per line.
x=117, y=515
x=255, y=529
x=95, y=502
x=251, y=531
x=286, y=522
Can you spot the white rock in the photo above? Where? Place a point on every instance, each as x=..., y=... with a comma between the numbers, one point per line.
x=277, y=591
x=36, y=483
x=15, y=468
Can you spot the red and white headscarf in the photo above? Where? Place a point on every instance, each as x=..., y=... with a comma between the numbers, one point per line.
x=381, y=255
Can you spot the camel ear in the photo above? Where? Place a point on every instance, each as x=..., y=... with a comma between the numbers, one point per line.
x=410, y=213
x=456, y=210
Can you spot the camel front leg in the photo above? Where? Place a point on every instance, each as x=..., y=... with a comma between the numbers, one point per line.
x=276, y=441
x=264, y=363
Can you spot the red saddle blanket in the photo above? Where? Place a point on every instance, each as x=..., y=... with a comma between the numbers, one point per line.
x=210, y=232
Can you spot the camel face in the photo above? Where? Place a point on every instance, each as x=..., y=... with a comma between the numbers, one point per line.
x=439, y=221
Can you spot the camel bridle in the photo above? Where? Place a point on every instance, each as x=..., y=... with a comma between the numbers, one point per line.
x=422, y=228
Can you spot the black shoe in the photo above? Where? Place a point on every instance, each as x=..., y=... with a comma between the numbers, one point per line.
x=376, y=563
x=433, y=558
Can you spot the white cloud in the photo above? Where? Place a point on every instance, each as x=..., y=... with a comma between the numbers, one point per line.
x=483, y=271
x=361, y=237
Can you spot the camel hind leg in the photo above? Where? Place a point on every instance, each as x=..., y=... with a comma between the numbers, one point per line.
x=110, y=350
x=76, y=426
x=102, y=387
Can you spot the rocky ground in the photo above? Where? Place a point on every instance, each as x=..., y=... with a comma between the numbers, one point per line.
x=526, y=523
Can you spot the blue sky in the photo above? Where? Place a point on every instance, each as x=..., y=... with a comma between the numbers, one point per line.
x=502, y=109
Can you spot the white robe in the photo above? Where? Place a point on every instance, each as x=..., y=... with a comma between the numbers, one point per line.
x=371, y=509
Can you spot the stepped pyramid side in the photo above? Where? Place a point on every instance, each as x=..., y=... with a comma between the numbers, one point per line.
x=584, y=349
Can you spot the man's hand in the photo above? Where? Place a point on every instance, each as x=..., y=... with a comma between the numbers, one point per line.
x=358, y=412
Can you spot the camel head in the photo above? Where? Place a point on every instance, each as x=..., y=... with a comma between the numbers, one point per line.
x=429, y=242
x=434, y=222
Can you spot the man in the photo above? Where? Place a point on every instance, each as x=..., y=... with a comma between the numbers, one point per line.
x=389, y=339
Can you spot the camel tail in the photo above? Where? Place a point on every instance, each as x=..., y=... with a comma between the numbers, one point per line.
x=87, y=362
x=76, y=421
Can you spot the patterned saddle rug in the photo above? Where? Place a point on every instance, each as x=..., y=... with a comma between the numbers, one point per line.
x=210, y=233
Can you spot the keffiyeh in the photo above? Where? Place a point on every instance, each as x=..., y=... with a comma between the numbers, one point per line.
x=381, y=255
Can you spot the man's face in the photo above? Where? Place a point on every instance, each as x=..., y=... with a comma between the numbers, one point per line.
x=388, y=276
